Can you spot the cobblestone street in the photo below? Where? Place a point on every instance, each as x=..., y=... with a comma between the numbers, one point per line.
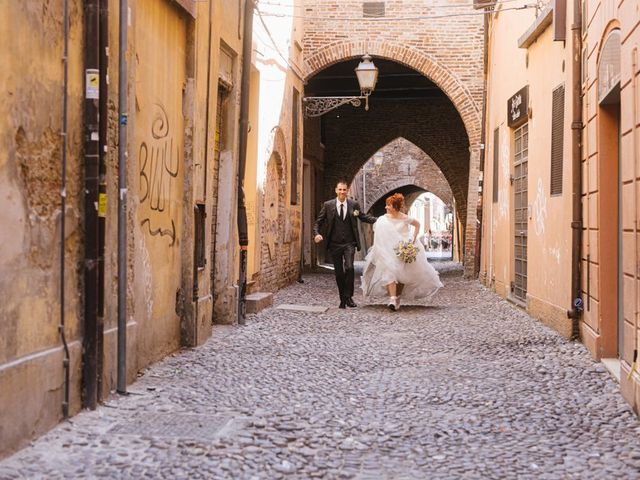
x=466, y=387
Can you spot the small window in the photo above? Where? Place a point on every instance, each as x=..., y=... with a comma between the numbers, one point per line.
x=199, y=221
x=373, y=9
x=557, y=140
x=496, y=158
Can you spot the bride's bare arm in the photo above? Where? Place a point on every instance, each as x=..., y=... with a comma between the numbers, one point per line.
x=416, y=228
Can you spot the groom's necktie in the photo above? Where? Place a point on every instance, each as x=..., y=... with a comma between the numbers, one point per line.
x=342, y=211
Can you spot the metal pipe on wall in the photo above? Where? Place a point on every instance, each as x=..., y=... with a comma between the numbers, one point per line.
x=103, y=114
x=91, y=169
x=121, y=383
x=576, y=162
x=483, y=148
x=63, y=206
x=636, y=297
x=243, y=234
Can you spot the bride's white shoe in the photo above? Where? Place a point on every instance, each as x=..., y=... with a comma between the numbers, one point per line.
x=393, y=304
x=397, y=303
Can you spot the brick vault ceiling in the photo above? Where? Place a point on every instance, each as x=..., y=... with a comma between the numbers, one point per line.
x=394, y=81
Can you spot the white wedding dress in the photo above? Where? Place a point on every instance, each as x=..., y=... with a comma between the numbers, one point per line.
x=383, y=267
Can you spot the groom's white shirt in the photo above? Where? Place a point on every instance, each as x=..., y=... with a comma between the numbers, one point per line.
x=338, y=203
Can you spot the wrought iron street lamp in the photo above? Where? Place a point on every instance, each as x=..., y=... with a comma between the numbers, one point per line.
x=367, y=74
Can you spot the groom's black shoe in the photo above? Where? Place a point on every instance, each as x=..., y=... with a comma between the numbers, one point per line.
x=343, y=303
x=350, y=303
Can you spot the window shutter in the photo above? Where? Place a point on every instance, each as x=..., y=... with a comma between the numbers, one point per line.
x=373, y=9
x=295, y=101
x=557, y=140
x=199, y=224
x=496, y=155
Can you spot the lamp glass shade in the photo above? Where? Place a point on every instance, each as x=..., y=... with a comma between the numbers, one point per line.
x=367, y=74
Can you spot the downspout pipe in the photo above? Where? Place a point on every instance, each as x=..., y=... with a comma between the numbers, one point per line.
x=63, y=206
x=576, y=168
x=121, y=382
x=91, y=180
x=103, y=113
x=483, y=148
x=243, y=234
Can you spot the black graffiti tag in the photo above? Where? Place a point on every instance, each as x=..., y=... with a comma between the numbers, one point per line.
x=159, y=164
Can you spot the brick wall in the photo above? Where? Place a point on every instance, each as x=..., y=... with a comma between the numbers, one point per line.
x=402, y=164
x=447, y=50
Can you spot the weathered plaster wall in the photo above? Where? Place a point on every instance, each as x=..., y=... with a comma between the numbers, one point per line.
x=543, y=66
x=31, y=372
x=157, y=189
x=280, y=224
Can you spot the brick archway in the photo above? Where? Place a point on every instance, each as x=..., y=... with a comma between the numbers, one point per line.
x=421, y=62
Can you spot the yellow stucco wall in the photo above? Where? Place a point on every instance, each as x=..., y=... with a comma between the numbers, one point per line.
x=31, y=371
x=543, y=66
x=167, y=135
x=157, y=149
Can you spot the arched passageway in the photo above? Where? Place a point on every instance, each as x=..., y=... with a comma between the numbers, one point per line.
x=405, y=104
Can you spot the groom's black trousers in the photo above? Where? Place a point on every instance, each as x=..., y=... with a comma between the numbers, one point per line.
x=342, y=256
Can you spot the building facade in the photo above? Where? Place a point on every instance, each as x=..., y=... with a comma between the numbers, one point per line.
x=610, y=187
x=560, y=127
x=526, y=244
x=184, y=62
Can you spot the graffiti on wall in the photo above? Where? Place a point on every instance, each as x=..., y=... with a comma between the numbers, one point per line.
x=159, y=161
x=503, y=192
x=540, y=209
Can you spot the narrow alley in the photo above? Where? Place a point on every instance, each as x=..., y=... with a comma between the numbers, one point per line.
x=468, y=386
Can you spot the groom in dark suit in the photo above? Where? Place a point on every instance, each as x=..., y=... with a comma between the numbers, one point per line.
x=337, y=225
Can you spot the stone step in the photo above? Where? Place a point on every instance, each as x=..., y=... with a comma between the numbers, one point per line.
x=258, y=300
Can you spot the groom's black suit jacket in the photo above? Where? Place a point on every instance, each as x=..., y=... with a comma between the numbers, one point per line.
x=325, y=222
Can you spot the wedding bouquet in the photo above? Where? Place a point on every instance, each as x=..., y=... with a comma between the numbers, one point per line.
x=406, y=251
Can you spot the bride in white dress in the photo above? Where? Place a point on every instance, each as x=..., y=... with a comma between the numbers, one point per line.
x=386, y=274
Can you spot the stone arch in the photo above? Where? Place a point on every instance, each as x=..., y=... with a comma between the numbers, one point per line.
x=389, y=174
x=274, y=206
x=421, y=62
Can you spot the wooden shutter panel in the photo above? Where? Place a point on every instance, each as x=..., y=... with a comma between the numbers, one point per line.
x=496, y=155
x=557, y=140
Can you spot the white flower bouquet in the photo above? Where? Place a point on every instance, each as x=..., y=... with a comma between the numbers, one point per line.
x=406, y=251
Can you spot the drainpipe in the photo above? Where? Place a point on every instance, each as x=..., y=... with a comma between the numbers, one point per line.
x=63, y=207
x=103, y=113
x=482, y=146
x=576, y=167
x=243, y=235
x=91, y=168
x=634, y=86
x=121, y=383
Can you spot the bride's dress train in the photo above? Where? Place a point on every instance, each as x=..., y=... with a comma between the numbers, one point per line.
x=382, y=266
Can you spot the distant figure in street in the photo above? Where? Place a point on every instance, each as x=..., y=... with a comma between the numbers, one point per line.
x=337, y=226
x=397, y=265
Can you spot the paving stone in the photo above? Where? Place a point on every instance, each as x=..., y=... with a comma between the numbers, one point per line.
x=466, y=387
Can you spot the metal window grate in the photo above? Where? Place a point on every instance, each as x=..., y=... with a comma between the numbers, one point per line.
x=496, y=162
x=557, y=140
x=520, y=209
x=373, y=9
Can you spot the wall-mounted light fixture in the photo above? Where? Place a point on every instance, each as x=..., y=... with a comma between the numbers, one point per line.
x=367, y=74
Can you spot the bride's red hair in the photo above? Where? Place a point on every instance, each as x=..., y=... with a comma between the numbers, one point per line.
x=396, y=201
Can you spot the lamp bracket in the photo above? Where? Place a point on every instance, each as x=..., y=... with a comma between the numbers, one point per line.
x=318, y=106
